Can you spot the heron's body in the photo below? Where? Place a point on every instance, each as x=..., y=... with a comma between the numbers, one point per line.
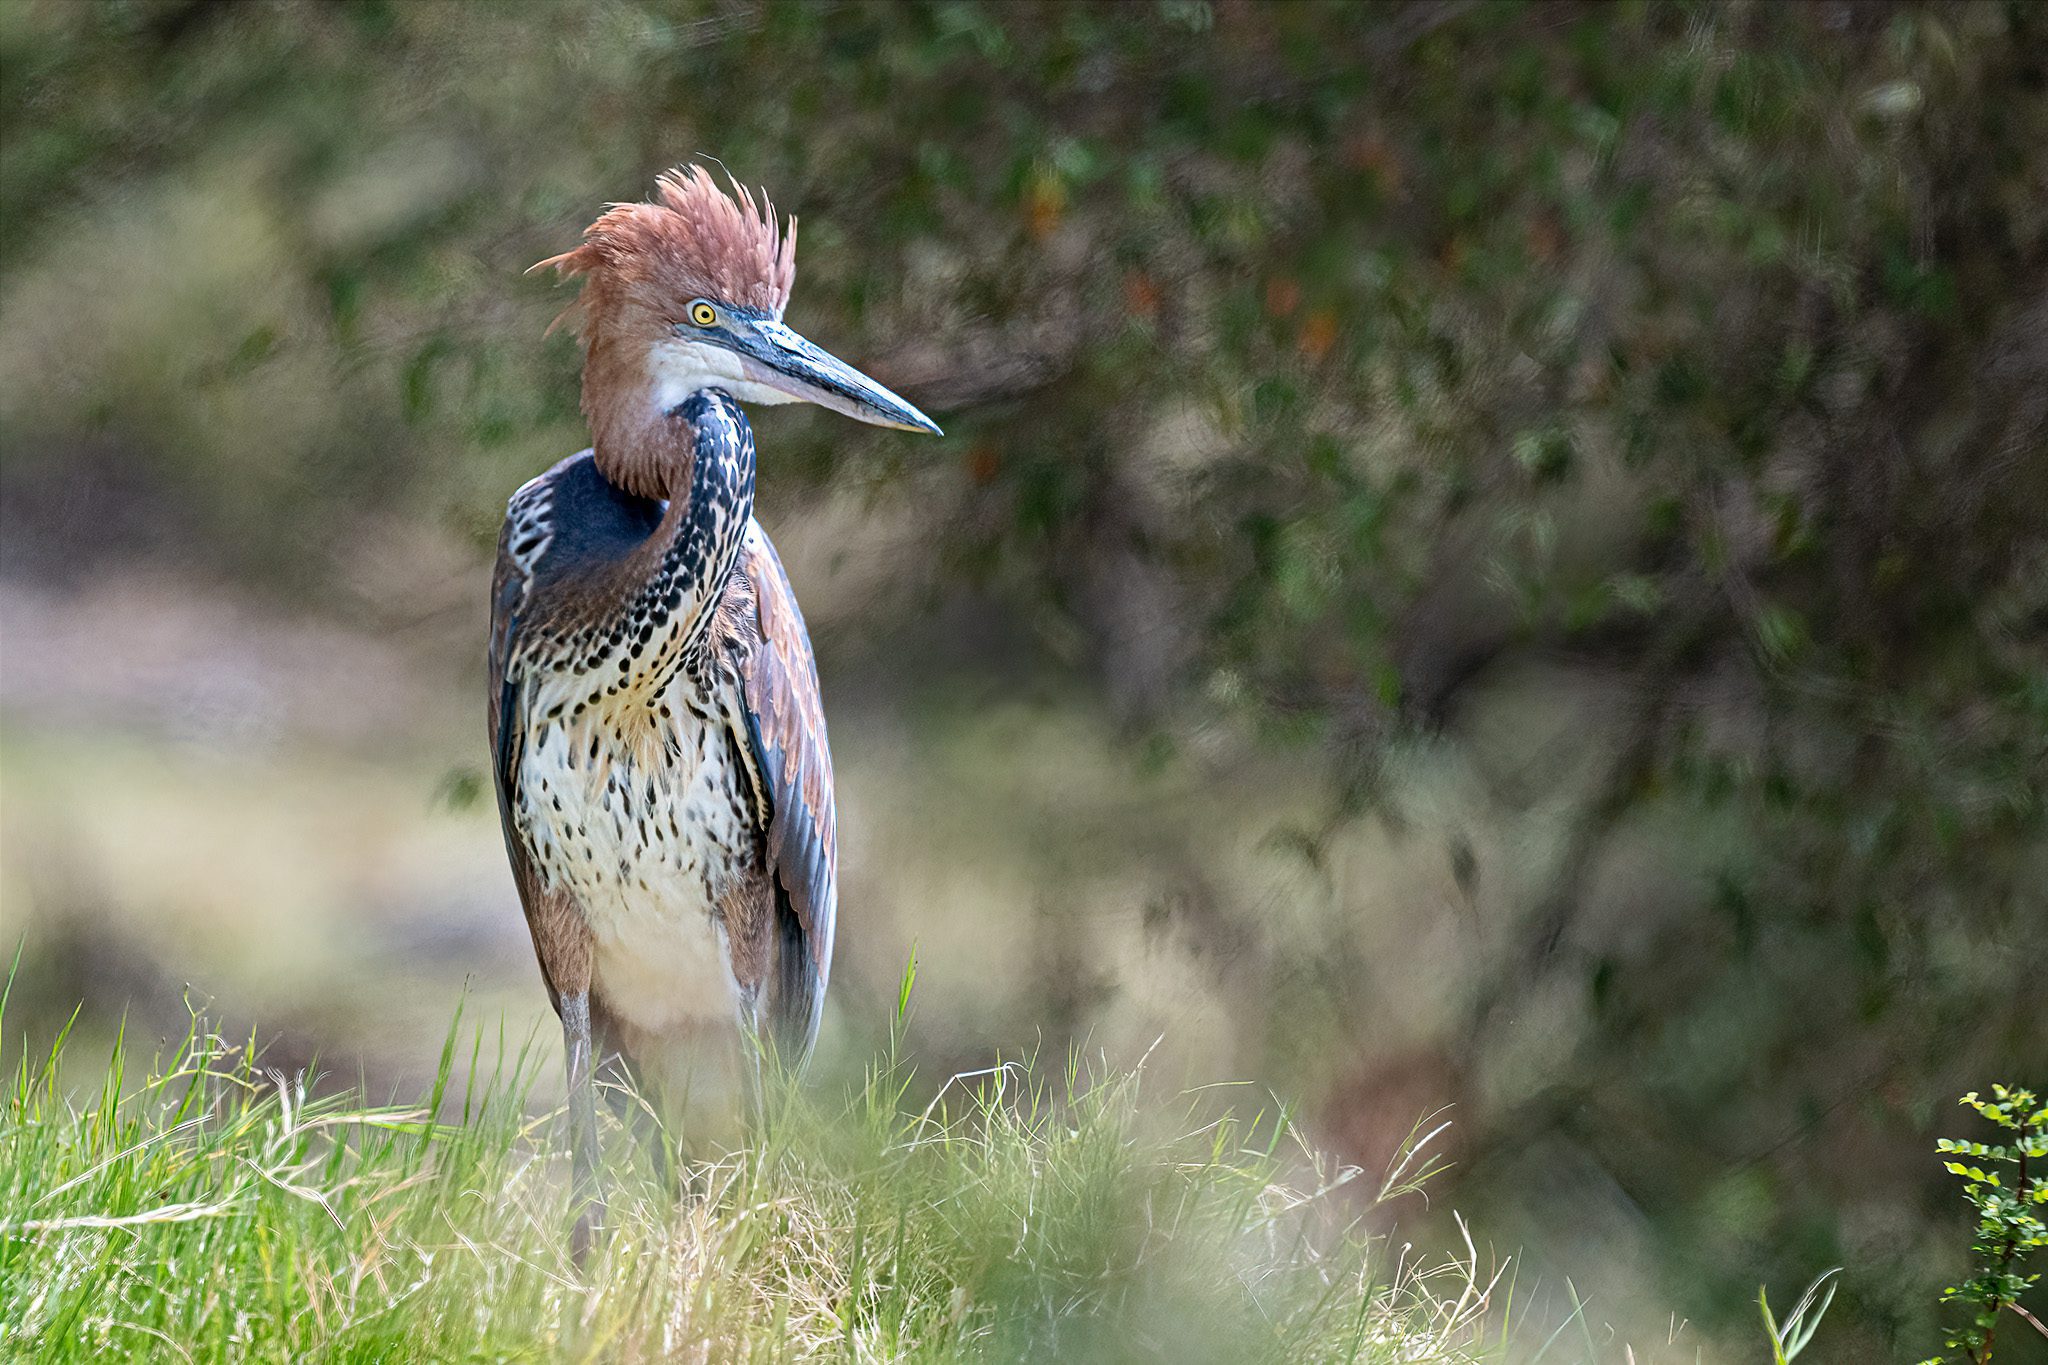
x=656, y=723
x=644, y=645
x=632, y=795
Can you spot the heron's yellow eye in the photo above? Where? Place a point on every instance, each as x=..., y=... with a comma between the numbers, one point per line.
x=703, y=314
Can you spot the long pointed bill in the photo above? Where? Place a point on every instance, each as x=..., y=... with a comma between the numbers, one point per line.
x=779, y=359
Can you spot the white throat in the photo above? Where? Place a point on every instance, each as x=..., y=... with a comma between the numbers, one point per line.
x=681, y=368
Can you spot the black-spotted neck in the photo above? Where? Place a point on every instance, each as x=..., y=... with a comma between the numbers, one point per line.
x=650, y=573
x=668, y=619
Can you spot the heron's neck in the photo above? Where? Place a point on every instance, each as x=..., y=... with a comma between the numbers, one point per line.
x=675, y=579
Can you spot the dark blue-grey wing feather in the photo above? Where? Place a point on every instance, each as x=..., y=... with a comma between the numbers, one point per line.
x=511, y=584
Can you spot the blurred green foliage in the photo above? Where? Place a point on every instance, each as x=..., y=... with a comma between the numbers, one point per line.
x=1309, y=365
x=2008, y=1202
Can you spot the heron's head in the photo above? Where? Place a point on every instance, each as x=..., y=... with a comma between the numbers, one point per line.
x=686, y=293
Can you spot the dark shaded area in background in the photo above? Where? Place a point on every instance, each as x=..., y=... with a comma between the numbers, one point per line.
x=1498, y=547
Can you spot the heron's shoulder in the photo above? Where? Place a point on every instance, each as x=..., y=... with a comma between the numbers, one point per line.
x=571, y=518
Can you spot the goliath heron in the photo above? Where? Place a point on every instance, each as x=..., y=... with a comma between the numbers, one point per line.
x=658, y=735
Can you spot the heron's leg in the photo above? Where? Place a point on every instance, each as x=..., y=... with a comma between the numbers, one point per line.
x=586, y=1196
x=633, y=1098
x=752, y=1064
x=653, y=1117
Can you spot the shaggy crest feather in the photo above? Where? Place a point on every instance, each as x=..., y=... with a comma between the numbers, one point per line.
x=692, y=240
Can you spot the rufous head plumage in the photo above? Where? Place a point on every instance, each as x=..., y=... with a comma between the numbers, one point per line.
x=691, y=240
x=683, y=294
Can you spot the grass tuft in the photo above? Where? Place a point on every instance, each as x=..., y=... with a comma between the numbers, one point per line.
x=218, y=1210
